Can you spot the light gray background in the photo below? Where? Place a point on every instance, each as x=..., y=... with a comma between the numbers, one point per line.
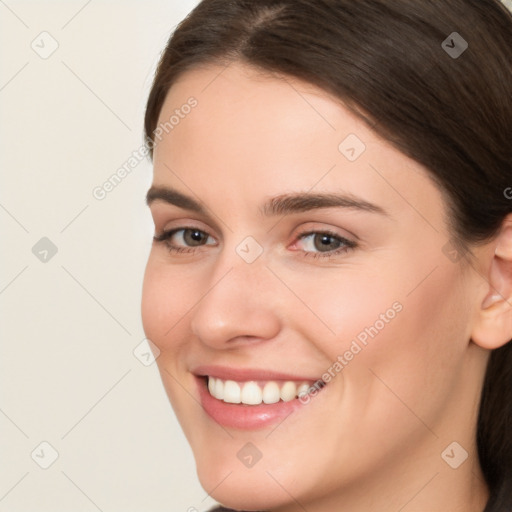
x=69, y=326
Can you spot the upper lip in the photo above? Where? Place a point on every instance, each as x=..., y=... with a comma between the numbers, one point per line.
x=246, y=374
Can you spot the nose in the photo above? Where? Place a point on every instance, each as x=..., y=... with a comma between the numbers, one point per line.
x=238, y=305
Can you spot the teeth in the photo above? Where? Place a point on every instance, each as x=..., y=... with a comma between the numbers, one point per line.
x=288, y=391
x=251, y=393
x=302, y=390
x=218, y=391
x=271, y=393
x=232, y=393
x=211, y=387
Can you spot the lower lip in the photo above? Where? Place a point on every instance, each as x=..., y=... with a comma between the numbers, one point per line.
x=242, y=416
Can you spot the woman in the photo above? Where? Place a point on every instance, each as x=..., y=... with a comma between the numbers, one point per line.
x=330, y=285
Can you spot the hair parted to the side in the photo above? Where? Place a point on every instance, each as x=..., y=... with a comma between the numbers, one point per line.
x=383, y=59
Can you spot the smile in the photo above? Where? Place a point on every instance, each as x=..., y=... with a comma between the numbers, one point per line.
x=252, y=398
x=257, y=392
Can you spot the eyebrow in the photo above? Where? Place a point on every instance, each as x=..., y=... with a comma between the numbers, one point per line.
x=280, y=205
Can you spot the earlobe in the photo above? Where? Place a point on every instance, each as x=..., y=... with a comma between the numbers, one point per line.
x=493, y=327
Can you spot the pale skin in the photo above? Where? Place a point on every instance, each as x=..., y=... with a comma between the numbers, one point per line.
x=372, y=439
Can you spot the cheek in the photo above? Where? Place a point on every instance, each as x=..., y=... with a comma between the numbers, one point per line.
x=399, y=318
x=416, y=358
x=167, y=297
x=342, y=305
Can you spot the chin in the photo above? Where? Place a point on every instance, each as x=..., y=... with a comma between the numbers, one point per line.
x=224, y=477
x=243, y=490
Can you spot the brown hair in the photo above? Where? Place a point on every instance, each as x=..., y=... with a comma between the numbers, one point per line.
x=450, y=111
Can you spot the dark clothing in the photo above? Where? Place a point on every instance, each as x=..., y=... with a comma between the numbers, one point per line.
x=223, y=509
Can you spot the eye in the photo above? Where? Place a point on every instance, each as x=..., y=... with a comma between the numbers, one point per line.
x=184, y=239
x=323, y=243
x=316, y=243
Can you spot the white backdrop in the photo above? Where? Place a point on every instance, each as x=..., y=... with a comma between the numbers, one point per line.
x=74, y=77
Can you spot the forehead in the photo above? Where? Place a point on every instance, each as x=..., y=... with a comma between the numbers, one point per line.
x=239, y=100
x=256, y=134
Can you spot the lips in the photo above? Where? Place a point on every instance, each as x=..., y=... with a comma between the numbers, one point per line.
x=246, y=374
x=252, y=398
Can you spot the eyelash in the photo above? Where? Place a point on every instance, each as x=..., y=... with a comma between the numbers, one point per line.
x=348, y=245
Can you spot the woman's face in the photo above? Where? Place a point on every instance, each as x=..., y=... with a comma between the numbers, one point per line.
x=304, y=248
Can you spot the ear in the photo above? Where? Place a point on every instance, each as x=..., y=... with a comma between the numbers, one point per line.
x=493, y=327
